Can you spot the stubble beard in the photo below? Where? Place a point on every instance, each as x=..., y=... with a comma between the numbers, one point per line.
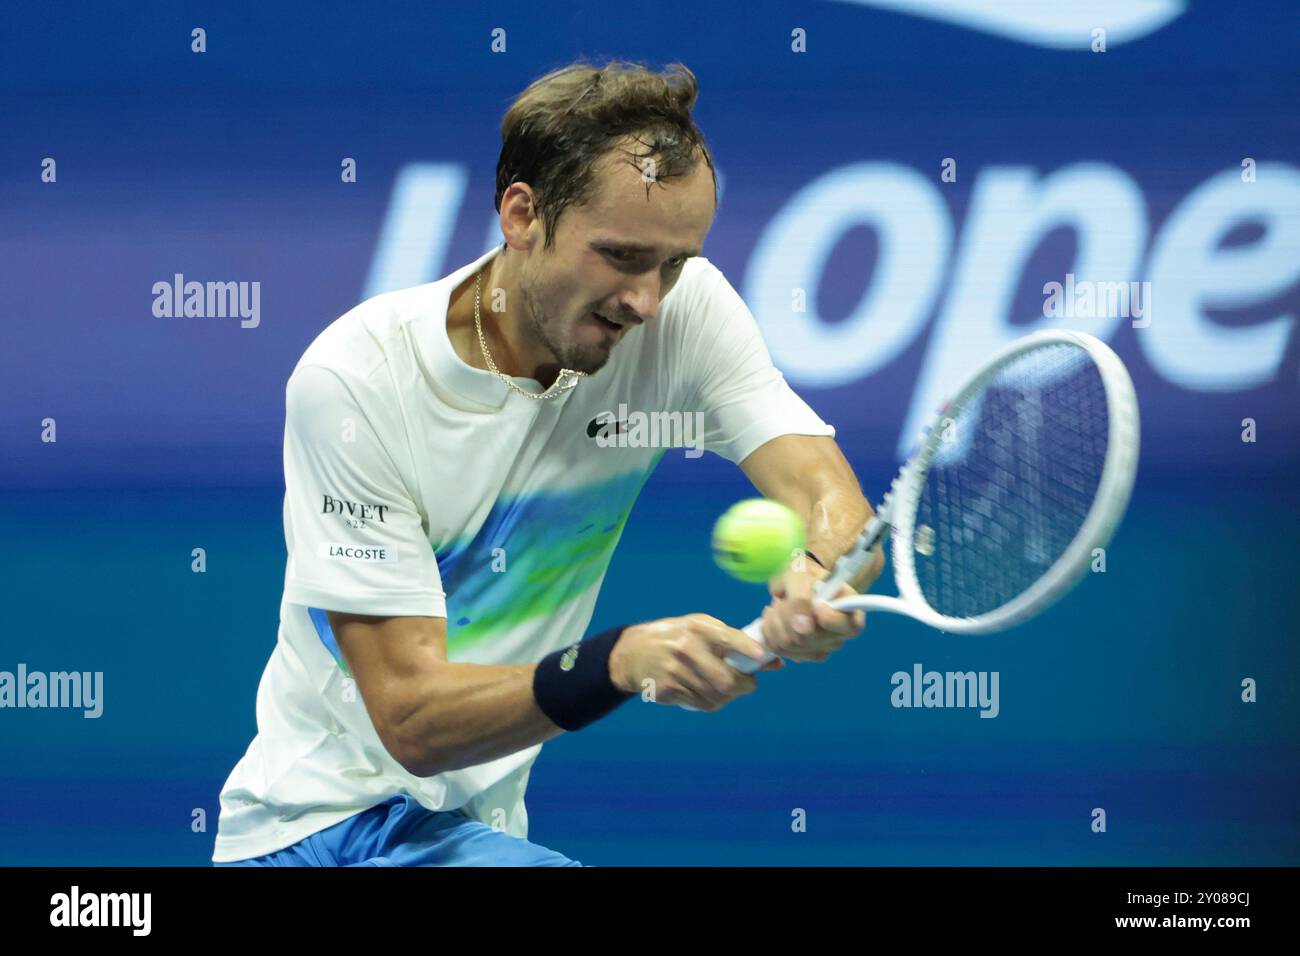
x=544, y=329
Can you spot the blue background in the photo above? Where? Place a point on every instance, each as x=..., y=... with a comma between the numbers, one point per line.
x=225, y=166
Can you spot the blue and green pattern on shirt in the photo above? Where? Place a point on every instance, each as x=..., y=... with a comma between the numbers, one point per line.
x=534, y=553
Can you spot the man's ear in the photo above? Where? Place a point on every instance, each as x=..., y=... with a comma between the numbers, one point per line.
x=519, y=217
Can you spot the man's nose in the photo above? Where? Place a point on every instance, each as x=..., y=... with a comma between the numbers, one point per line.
x=642, y=298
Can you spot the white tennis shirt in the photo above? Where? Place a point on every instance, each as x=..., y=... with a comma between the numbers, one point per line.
x=418, y=485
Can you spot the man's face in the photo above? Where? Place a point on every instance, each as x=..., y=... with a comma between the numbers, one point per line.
x=616, y=256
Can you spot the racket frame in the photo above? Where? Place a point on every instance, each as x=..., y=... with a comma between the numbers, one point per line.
x=897, y=512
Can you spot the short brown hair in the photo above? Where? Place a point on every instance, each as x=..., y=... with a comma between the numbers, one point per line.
x=555, y=130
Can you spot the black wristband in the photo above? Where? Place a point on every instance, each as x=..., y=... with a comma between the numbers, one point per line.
x=572, y=686
x=816, y=559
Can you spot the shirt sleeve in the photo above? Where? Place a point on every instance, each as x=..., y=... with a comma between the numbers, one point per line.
x=744, y=398
x=355, y=536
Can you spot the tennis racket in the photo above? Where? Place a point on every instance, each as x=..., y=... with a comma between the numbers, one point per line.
x=1015, y=481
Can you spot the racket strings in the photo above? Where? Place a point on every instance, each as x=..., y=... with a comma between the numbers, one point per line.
x=1011, y=481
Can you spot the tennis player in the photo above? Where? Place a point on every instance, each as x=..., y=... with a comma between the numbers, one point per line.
x=453, y=497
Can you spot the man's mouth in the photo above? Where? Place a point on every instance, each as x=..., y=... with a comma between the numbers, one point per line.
x=606, y=323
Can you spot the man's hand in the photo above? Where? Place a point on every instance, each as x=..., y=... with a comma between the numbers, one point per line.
x=796, y=626
x=683, y=659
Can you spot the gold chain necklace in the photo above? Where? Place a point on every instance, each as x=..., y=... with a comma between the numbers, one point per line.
x=567, y=379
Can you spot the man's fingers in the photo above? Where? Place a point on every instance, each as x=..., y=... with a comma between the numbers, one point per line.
x=700, y=692
x=775, y=633
x=723, y=640
x=717, y=680
x=837, y=622
x=799, y=611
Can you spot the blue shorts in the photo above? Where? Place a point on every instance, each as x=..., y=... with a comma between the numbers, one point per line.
x=400, y=832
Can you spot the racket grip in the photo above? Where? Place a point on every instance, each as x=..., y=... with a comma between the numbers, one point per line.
x=748, y=665
x=754, y=630
x=845, y=569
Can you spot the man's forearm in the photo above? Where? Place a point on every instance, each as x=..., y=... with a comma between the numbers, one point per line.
x=468, y=714
x=834, y=520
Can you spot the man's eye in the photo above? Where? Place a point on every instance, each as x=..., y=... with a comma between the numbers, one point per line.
x=624, y=257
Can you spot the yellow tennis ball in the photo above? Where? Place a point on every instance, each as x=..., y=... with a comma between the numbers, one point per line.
x=755, y=538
